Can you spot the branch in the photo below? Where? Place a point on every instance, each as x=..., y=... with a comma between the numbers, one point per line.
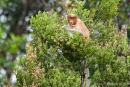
x=72, y=30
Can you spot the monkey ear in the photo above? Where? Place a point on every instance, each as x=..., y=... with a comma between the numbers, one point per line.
x=67, y=16
x=76, y=16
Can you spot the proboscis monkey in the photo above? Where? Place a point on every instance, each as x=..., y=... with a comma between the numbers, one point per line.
x=75, y=24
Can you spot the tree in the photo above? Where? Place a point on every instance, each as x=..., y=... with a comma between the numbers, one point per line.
x=106, y=54
x=14, y=27
x=10, y=46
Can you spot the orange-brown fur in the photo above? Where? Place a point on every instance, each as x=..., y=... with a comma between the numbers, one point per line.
x=75, y=23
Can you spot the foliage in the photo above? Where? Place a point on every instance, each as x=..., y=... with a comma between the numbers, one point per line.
x=107, y=53
x=14, y=25
x=11, y=46
x=123, y=16
x=3, y=3
x=105, y=9
x=32, y=72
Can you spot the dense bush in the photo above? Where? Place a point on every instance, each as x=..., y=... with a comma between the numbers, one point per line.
x=55, y=59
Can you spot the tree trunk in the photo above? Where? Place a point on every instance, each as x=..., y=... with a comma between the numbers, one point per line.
x=84, y=74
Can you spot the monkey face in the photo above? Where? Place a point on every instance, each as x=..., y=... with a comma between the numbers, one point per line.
x=72, y=19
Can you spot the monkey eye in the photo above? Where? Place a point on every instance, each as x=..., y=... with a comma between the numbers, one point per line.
x=72, y=18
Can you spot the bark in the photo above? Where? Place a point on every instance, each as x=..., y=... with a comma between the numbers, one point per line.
x=84, y=74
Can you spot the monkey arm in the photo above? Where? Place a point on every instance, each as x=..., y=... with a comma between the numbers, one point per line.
x=72, y=30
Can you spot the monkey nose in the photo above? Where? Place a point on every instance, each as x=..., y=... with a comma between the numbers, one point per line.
x=71, y=22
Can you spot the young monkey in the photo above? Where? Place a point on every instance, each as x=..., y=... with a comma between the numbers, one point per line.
x=75, y=24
